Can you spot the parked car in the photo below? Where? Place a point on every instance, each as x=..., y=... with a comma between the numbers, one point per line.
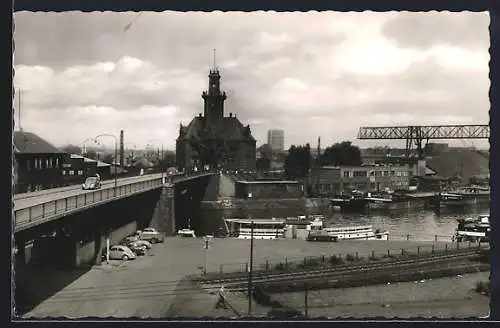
x=152, y=235
x=121, y=252
x=137, y=248
x=92, y=183
x=135, y=239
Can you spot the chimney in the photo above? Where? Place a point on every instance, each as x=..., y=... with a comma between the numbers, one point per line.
x=122, y=150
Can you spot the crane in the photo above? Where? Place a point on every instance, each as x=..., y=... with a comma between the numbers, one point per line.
x=416, y=134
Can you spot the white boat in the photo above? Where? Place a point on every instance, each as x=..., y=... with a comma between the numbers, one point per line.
x=473, y=229
x=262, y=229
x=317, y=232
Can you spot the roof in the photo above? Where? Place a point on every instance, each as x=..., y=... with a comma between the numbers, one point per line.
x=232, y=128
x=30, y=143
x=466, y=163
x=89, y=160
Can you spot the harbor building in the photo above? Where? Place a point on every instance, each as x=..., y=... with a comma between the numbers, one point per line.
x=332, y=180
x=269, y=189
x=213, y=138
x=276, y=139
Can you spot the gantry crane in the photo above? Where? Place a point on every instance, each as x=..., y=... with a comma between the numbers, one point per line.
x=415, y=135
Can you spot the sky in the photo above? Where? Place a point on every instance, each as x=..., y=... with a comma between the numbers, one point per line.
x=311, y=74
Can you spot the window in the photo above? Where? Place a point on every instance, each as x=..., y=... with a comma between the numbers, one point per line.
x=386, y=173
x=35, y=163
x=47, y=163
x=63, y=172
x=71, y=172
x=57, y=162
x=346, y=174
x=80, y=172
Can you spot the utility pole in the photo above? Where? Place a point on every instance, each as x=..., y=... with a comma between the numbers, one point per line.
x=250, y=272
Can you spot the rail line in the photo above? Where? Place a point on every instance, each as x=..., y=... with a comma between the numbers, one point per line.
x=340, y=270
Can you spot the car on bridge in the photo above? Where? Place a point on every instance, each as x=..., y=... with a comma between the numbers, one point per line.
x=120, y=252
x=152, y=235
x=92, y=183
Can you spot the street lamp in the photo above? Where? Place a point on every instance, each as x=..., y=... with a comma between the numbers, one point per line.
x=160, y=161
x=116, y=154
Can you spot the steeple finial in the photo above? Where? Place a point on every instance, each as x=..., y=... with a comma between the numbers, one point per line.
x=215, y=63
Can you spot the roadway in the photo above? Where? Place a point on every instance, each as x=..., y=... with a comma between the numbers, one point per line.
x=30, y=199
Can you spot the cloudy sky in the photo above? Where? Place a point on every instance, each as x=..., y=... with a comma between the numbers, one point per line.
x=311, y=74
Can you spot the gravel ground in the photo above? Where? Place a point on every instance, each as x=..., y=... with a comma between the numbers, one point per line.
x=452, y=297
x=147, y=287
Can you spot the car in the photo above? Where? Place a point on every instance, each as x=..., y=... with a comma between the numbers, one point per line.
x=121, y=252
x=137, y=248
x=135, y=239
x=144, y=243
x=92, y=183
x=152, y=235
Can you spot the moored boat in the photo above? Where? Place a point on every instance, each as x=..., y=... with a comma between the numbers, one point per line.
x=262, y=229
x=447, y=199
x=473, y=229
x=318, y=232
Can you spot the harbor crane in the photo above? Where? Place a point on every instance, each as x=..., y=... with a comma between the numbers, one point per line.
x=416, y=134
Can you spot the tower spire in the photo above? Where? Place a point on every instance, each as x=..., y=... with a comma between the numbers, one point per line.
x=215, y=63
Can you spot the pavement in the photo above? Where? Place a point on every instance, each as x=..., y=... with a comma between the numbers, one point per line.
x=154, y=286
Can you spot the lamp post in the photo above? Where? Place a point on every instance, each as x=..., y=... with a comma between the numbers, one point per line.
x=116, y=155
x=160, y=161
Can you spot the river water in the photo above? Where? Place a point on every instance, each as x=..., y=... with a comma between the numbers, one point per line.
x=421, y=225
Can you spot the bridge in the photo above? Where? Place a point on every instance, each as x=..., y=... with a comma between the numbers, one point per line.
x=85, y=217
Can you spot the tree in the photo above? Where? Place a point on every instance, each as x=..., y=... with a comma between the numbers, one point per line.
x=91, y=154
x=168, y=160
x=341, y=154
x=298, y=162
x=263, y=164
x=72, y=149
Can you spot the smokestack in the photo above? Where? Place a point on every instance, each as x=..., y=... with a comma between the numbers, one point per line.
x=122, y=150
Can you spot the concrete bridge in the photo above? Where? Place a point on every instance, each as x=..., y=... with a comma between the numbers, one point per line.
x=83, y=219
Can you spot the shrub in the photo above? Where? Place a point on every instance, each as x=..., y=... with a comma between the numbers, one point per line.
x=350, y=258
x=334, y=260
x=280, y=267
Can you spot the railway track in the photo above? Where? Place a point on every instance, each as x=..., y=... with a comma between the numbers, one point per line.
x=342, y=271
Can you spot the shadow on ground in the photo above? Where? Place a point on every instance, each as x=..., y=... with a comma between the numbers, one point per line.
x=35, y=284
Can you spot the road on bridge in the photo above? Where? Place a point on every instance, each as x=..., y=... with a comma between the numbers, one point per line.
x=26, y=200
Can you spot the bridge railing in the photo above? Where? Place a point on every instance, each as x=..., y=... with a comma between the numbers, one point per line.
x=43, y=212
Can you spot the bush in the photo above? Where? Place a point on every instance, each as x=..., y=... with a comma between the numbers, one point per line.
x=334, y=260
x=350, y=258
x=280, y=267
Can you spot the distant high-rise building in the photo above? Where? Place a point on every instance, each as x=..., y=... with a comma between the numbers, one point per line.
x=276, y=139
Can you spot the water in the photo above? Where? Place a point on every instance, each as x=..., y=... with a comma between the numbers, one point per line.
x=421, y=225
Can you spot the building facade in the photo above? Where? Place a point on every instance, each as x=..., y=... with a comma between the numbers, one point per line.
x=333, y=180
x=269, y=189
x=215, y=139
x=276, y=139
x=39, y=164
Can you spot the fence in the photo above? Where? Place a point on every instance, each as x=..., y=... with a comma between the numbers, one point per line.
x=326, y=260
x=436, y=238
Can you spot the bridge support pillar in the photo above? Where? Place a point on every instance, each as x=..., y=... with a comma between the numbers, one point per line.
x=164, y=213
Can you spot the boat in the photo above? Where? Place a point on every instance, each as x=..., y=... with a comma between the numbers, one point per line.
x=349, y=202
x=262, y=229
x=473, y=229
x=478, y=194
x=452, y=199
x=187, y=232
x=318, y=232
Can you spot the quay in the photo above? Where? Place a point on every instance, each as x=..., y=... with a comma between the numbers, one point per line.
x=154, y=286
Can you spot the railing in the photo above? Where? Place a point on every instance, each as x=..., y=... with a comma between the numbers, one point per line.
x=36, y=214
x=40, y=213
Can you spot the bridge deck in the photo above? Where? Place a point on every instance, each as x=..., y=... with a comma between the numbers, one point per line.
x=31, y=210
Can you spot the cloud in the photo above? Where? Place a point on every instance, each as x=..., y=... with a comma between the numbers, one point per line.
x=312, y=74
x=424, y=30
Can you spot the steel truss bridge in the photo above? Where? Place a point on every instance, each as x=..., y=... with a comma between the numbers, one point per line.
x=416, y=134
